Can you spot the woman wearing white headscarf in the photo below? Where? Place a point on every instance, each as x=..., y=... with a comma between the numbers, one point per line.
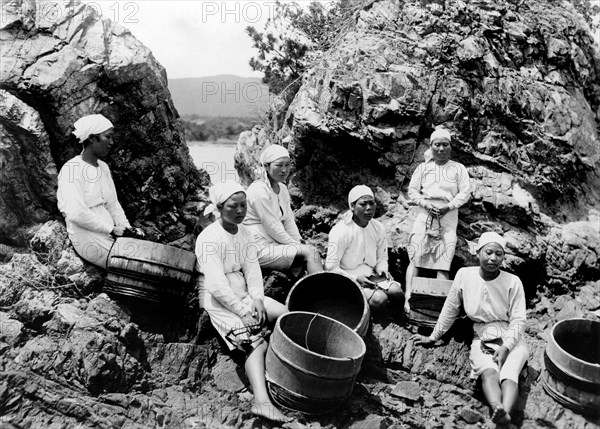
x=232, y=291
x=358, y=248
x=495, y=301
x=438, y=187
x=86, y=194
x=271, y=219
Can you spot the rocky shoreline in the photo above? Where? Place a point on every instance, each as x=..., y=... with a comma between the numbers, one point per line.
x=71, y=356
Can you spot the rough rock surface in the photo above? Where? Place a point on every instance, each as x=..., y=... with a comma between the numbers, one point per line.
x=60, y=62
x=518, y=86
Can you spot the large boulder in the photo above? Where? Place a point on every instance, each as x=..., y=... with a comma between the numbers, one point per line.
x=519, y=88
x=61, y=61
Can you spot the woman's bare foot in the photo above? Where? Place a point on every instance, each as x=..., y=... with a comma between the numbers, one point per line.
x=500, y=416
x=269, y=411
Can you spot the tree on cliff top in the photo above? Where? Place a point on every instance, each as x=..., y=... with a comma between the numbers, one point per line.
x=293, y=37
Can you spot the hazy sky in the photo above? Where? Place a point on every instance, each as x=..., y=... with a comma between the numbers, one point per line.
x=194, y=38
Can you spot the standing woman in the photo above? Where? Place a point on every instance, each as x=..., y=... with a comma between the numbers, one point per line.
x=271, y=219
x=358, y=248
x=232, y=292
x=438, y=187
x=495, y=301
x=86, y=194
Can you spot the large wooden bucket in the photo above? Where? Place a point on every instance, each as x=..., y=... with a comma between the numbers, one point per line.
x=312, y=362
x=572, y=361
x=334, y=295
x=427, y=300
x=147, y=270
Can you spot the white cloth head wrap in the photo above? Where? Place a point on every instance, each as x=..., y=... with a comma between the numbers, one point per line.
x=270, y=154
x=353, y=196
x=89, y=125
x=220, y=193
x=440, y=134
x=273, y=153
x=490, y=237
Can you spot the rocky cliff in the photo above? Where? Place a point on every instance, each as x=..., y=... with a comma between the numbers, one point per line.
x=519, y=87
x=61, y=62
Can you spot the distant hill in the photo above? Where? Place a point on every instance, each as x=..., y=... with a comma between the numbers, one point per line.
x=222, y=95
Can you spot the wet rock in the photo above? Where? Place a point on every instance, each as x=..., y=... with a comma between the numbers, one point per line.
x=56, y=72
x=471, y=416
x=226, y=375
x=29, y=173
x=407, y=390
x=11, y=330
x=372, y=421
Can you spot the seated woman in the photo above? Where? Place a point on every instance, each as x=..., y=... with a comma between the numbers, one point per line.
x=86, y=194
x=495, y=301
x=358, y=248
x=439, y=186
x=232, y=292
x=271, y=219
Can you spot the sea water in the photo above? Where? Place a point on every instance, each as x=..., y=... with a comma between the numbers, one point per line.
x=216, y=158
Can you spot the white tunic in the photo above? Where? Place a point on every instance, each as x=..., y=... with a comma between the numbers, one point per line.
x=232, y=276
x=87, y=198
x=271, y=220
x=447, y=183
x=498, y=309
x=357, y=251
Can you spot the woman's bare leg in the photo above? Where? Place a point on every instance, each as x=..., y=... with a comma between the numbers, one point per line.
x=411, y=272
x=313, y=260
x=255, y=370
x=510, y=394
x=490, y=383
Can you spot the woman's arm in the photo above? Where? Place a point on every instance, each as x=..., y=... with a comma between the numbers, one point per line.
x=112, y=202
x=464, y=188
x=270, y=220
x=451, y=309
x=517, y=315
x=414, y=187
x=252, y=272
x=382, y=251
x=336, y=248
x=71, y=201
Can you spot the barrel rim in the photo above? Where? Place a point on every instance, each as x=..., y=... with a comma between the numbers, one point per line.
x=345, y=359
x=366, y=314
x=554, y=346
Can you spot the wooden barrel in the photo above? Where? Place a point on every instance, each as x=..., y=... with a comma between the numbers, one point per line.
x=427, y=300
x=147, y=270
x=312, y=362
x=334, y=295
x=572, y=365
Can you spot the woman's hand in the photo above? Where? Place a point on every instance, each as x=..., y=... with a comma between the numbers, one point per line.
x=384, y=274
x=441, y=210
x=118, y=231
x=500, y=356
x=422, y=340
x=249, y=320
x=259, y=311
x=364, y=282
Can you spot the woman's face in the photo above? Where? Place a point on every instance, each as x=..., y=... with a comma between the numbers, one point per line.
x=364, y=208
x=441, y=150
x=233, y=210
x=491, y=257
x=101, y=143
x=279, y=170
